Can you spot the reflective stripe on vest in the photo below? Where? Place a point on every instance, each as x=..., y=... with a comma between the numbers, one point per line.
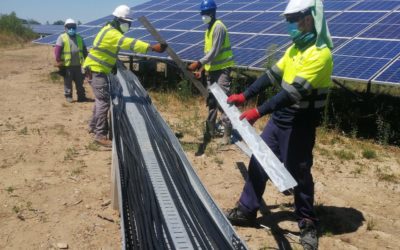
x=224, y=58
x=66, y=54
x=105, y=57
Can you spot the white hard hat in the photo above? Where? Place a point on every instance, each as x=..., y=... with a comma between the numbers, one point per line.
x=123, y=12
x=295, y=6
x=69, y=21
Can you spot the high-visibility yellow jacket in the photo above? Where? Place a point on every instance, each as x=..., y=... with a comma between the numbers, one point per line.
x=106, y=46
x=224, y=58
x=66, y=54
x=306, y=75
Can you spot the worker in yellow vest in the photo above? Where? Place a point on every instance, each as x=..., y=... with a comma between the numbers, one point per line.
x=304, y=74
x=217, y=63
x=70, y=52
x=101, y=61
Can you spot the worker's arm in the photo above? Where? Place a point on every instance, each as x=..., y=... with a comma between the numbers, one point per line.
x=273, y=75
x=58, y=49
x=85, y=51
x=301, y=86
x=218, y=41
x=133, y=44
x=266, y=80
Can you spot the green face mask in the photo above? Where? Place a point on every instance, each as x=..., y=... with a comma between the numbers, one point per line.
x=301, y=40
x=293, y=30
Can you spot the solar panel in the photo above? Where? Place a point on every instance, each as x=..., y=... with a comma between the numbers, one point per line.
x=366, y=34
x=370, y=48
x=390, y=75
x=356, y=17
x=251, y=27
x=337, y=5
x=46, y=29
x=376, y=5
x=350, y=67
x=188, y=25
x=383, y=31
x=188, y=37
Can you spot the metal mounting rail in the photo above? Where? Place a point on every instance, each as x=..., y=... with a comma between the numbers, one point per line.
x=163, y=203
x=174, y=56
x=276, y=171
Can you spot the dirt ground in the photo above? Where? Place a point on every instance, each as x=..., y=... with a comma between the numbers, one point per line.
x=55, y=183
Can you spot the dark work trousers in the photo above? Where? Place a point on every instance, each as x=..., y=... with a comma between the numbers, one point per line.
x=293, y=146
x=74, y=73
x=99, y=122
x=223, y=78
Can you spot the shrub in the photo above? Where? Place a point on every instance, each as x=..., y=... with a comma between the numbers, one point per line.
x=11, y=26
x=369, y=153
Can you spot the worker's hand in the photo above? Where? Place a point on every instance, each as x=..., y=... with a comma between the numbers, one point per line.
x=194, y=65
x=251, y=115
x=236, y=99
x=88, y=74
x=58, y=64
x=198, y=73
x=159, y=47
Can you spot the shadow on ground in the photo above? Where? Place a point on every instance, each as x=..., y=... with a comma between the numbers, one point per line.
x=332, y=220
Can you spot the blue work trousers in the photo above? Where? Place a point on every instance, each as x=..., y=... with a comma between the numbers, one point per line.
x=293, y=146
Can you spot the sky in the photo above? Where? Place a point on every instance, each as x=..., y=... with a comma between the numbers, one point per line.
x=46, y=10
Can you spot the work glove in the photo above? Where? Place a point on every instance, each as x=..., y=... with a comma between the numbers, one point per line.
x=159, y=47
x=251, y=115
x=194, y=65
x=236, y=99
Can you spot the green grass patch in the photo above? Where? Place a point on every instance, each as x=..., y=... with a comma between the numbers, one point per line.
x=344, y=155
x=371, y=224
x=189, y=146
x=218, y=160
x=93, y=146
x=388, y=177
x=70, y=154
x=10, y=189
x=23, y=131
x=16, y=209
x=55, y=77
x=369, y=154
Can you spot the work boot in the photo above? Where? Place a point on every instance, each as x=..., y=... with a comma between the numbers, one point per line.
x=69, y=99
x=308, y=235
x=104, y=142
x=239, y=218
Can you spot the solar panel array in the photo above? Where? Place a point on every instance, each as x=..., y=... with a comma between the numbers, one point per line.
x=47, y=29
x=366, y=34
